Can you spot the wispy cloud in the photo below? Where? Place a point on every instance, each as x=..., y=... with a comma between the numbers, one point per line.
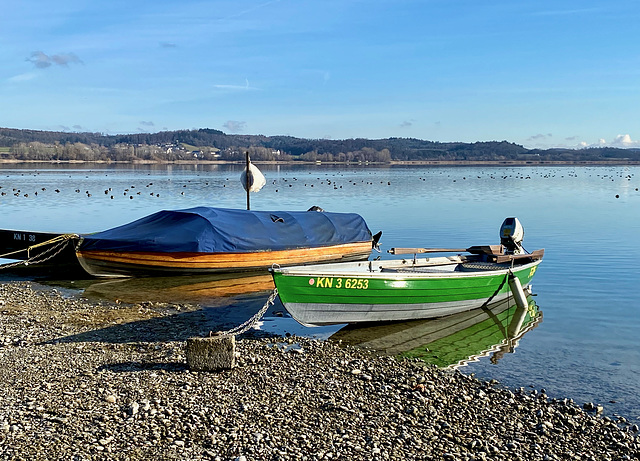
x=246, y=86
x=623, y=141
x=145, y=126
x=250, y=10
x=22, y=77
x=540, y=137
x=74, y=128
x=42, y=60
x=567, y=12
x=234, y=126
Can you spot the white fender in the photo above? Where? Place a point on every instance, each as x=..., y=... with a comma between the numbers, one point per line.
x=521, y=301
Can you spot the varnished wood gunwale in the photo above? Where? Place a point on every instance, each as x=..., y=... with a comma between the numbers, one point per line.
x=101, y=262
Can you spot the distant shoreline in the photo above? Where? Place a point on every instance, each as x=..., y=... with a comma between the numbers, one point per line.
x=617, y=162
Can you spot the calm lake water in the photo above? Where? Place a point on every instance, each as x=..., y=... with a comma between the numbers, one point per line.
x=587, y=219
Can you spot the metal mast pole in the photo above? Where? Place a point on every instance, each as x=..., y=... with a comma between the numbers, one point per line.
x=248, y=181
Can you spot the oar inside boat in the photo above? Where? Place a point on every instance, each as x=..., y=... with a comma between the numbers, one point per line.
x=510, y=248
x=485, y=249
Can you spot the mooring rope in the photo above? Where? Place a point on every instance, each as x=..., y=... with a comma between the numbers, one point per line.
x=58, y=243
x=486, y=303
x=246, y=326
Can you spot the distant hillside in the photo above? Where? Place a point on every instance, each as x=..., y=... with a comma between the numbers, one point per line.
x=214, y=144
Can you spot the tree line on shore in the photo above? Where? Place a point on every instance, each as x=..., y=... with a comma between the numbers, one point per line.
x=209, y=144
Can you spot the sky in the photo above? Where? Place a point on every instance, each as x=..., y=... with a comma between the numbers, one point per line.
x=539, y=73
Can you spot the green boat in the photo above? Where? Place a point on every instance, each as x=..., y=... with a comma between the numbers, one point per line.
x=452, y=341
x=409, y=288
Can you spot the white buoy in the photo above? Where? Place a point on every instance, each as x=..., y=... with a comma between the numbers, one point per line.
x=256, y=180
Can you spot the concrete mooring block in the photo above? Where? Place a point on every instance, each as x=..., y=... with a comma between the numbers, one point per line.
x=214, y=353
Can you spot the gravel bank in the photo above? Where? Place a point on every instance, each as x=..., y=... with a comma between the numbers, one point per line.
x=92, y=381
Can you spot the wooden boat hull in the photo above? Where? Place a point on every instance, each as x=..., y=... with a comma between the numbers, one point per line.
x=386, y=291
x=102, y=263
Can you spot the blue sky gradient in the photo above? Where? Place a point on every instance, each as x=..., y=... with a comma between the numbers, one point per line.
x=562, y=73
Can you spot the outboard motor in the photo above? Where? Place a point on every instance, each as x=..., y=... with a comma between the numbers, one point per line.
x=511, y=236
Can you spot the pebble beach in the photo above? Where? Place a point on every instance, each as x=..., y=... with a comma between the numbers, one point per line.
x=86, y=380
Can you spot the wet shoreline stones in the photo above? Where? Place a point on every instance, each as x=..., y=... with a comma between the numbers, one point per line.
x=82, y=380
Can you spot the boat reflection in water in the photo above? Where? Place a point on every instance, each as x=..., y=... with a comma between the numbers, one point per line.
x=205, y=289
x=451, y=341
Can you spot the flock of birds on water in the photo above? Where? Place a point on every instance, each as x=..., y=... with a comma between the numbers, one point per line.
x=334, y=181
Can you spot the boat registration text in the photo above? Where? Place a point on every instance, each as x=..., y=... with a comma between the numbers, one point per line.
x=339, y=282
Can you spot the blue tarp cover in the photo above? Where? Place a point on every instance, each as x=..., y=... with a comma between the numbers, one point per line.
x=213, y=230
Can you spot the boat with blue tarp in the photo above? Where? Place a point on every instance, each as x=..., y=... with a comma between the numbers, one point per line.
x=209, y=240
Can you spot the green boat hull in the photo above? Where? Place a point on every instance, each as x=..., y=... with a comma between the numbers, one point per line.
x=313, y=297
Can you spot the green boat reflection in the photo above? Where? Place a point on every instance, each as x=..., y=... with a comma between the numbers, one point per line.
x=452, y=341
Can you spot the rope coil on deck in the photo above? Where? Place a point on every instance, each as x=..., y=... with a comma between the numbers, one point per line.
x=58, y=243
x=246, y=326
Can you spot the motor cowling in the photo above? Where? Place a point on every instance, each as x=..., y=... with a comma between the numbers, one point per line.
x=511, y=236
